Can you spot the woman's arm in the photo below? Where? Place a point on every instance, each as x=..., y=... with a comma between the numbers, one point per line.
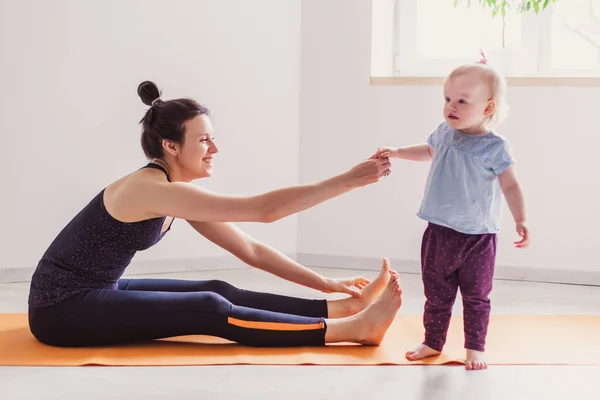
x=259, y=255
x=190, y=202
x=229, y=237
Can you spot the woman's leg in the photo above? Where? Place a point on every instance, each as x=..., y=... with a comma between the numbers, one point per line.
x=370, y=325
x=239, y=297
x=268, y=301
x=111, y=317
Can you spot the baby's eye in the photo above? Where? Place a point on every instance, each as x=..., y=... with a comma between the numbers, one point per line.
x=461, y=101
x=447, y=99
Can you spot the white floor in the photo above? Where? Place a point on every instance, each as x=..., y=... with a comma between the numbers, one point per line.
x=314, y=382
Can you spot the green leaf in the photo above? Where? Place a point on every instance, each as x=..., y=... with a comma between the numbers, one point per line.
x=501, y=7
x=523, y=7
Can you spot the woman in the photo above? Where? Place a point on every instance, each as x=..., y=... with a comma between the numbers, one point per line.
x=78, y=299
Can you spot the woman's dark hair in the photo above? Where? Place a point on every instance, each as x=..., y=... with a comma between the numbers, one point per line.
x=164, y=119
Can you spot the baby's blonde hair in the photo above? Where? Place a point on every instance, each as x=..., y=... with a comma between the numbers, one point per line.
x=497, y=85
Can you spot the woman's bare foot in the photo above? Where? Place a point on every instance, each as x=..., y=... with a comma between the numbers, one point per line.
x=420, y=352
x=370, y=325
x=353, y=305
x=475, y=360
x=377, y=317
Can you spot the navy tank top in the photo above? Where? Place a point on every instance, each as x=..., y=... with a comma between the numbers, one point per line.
x=91, y=252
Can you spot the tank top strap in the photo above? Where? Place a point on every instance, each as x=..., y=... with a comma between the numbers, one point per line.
x=157, y=166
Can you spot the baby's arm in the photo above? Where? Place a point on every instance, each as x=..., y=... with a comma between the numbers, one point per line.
x=516, y=203
x=417, y=152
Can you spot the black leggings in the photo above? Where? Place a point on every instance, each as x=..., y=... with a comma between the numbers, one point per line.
x=147, y=309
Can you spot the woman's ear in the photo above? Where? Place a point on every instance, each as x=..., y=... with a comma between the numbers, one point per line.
x=170, y=147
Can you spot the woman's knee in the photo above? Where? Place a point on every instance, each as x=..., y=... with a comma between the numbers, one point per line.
x=212, y=302
x=223, y=288
x=123, y=284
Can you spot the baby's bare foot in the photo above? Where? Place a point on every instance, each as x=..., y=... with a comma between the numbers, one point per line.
x=421, y=352
x=475, y=360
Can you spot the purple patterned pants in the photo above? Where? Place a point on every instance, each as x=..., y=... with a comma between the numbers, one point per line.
x=452, y=260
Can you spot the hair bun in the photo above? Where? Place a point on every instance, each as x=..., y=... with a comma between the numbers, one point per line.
x=148, y=92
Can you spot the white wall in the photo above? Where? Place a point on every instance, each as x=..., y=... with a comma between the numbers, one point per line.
x=69, y=122
x=553, y=131
x=69, y=111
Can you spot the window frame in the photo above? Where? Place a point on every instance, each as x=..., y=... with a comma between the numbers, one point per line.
x=534, y=53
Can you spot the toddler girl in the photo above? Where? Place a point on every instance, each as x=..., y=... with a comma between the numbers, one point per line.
x=471, y=169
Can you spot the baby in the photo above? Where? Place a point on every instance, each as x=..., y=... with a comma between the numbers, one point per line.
x=471, y=169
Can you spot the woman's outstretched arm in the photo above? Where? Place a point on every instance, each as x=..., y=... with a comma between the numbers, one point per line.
x=190, y=202
x=261, y=256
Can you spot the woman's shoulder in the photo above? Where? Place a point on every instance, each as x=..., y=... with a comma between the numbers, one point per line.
x=123, y=198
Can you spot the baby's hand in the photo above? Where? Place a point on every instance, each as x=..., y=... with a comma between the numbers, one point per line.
x=523, y=231
x=385, y=152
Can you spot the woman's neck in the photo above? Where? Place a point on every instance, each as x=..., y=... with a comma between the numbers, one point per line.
x=174, y=171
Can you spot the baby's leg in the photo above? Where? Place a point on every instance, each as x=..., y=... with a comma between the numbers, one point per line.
x=476, y=279
x=440, y=280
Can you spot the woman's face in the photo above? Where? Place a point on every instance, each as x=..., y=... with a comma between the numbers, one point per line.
x=196, y=153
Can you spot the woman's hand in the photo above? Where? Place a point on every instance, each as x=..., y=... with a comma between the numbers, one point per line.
x=351, y=286
x=386, y=152
x=369, y=171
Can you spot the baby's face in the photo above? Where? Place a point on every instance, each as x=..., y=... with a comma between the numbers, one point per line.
x=467, y=103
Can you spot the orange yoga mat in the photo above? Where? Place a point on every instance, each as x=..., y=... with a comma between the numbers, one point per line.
x=512, y=340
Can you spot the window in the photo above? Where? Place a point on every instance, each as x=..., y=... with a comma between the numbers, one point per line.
x=575, y=37
x=427, y=38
